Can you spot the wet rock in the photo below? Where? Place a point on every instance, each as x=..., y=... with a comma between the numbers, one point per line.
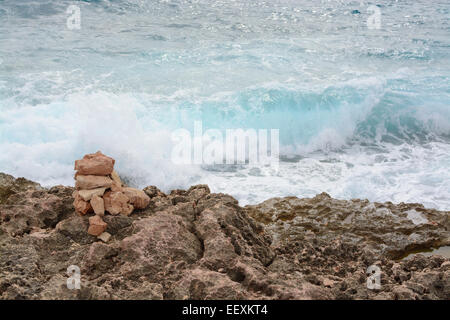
x=384, y=229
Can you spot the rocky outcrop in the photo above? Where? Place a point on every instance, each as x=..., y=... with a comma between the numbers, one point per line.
x=333, y=242
x=385, y=229
x=9, y=186
x=193, y=244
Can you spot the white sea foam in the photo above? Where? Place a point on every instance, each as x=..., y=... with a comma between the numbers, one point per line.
x=419, y=174
x=43, y=141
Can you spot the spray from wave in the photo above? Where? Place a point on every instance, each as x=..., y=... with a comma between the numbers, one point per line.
x=361, y=113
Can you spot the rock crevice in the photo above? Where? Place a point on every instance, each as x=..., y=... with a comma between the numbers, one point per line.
x=193, y=244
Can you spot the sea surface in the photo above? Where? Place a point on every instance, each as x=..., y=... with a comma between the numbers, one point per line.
x=362, y=111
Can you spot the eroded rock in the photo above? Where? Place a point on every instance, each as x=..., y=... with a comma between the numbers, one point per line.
x=191, y=244
x=10, y=185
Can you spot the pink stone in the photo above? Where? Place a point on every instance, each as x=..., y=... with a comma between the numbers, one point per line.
x=96, y=226
x=92, y=182
x=81, y=207
x=116, y=202
x=98, y=205
x=95, y=164
x=138, y=198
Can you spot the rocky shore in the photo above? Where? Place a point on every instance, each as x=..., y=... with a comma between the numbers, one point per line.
x=194, y=244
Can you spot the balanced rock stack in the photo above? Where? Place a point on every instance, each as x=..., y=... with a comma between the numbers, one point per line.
x=99, y=190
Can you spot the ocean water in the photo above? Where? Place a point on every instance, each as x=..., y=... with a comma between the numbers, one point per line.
x=362, y=112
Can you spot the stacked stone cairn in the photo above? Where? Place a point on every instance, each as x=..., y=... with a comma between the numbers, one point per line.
x=99, y=190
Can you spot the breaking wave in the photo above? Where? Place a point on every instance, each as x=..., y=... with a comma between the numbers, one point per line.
x=361, y=113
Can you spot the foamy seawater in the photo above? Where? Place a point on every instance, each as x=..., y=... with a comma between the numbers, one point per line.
x=361, y=113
